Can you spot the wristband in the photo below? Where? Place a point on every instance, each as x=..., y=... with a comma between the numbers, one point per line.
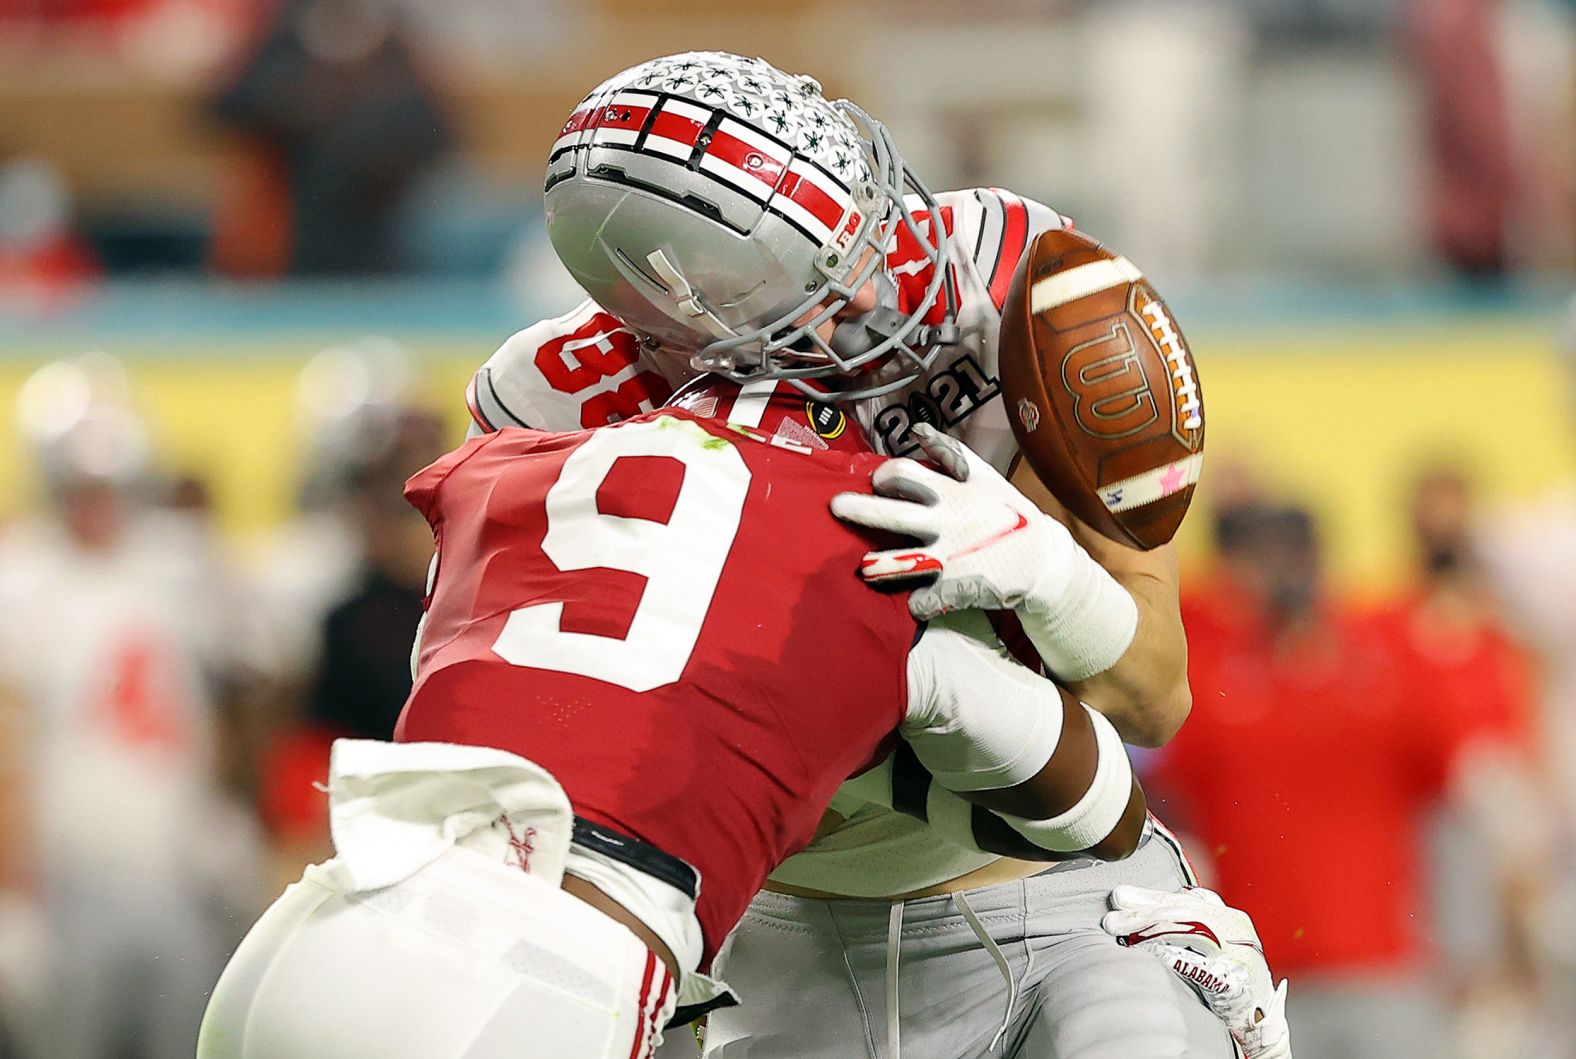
x=1086, y=627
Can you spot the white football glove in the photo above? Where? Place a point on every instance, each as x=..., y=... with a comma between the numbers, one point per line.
x=989, y=544
x=1213, y=948
x=990, y=548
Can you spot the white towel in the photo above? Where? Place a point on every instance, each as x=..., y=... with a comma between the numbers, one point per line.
x=395, y=807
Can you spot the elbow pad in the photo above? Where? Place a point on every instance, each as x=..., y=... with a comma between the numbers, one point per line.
x=1098, y=811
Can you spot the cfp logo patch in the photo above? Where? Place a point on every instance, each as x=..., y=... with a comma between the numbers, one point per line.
x=948, y=398
x=827, y=420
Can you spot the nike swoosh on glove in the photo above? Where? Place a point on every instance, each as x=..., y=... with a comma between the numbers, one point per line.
x=987, y=546
x=1215, y=949
x=986, y=543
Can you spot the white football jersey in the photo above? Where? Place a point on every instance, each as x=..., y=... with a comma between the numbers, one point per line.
x=988, y=232
x=108, y=656
x=585, y=369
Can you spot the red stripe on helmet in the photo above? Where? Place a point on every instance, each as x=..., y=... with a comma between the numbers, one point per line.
x=804, y=191
x=677, y=127
x=577, y=121
x=747, y=159
x=620, y=116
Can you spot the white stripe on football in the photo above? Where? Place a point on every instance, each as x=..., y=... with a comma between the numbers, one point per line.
x=1152, y=485
x=1080, y=282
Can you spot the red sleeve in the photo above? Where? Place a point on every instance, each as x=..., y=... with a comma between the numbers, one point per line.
x=1014, y=238
x=421, y=488
x=1007, y=225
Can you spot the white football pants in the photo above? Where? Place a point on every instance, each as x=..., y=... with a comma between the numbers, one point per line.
x=466, y=959
x=915, y=979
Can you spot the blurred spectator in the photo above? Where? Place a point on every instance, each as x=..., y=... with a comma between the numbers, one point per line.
x=1456, y=51
x=1530, y=550
x=363, y=668
x=42, y=259
x=337, y=591
x=111, y=636
x=350, y=403
x=1312, y=755
x=364, y=673
x=1494, y=858
x=1530, y=553
x=76, y=10
x=337, y=120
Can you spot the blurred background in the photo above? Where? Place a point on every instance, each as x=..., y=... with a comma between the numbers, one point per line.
x=251, y=251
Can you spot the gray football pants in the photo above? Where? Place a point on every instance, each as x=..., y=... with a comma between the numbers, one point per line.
x=813, y=980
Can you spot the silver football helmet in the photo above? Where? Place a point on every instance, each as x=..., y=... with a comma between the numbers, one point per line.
x=725, y=210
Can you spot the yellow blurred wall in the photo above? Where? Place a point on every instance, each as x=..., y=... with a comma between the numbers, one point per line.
x=1344, y=419
x=1340, y=418
x=230, y=420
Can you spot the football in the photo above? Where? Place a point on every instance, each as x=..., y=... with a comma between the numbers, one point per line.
x=1101, y=389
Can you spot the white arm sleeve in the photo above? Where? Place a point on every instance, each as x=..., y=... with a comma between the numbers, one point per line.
x=1098, y=811
x=1085, y=625
x=979, y=721
x=976, y=719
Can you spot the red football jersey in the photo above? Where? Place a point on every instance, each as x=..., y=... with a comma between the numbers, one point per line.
x=666, y=616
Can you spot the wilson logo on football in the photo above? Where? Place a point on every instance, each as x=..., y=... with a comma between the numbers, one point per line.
x=1105, y=378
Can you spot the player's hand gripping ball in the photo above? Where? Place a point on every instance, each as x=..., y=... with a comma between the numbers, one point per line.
x=1101, y=389
x=1213, y=948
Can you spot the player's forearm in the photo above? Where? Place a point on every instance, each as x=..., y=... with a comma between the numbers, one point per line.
x=1145, y=694
x=992, y=833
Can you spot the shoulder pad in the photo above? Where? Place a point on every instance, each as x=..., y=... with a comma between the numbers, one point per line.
x=1006, y=223
x=573, y=372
